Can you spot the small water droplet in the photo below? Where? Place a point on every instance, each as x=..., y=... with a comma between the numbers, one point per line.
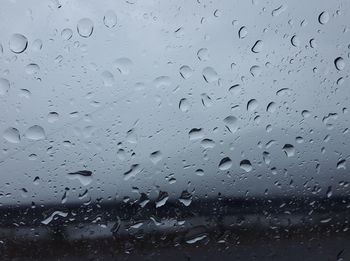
x=18, y=43
x=185, y=198
x=225, y=163
x=255, y=70
x=162, y=199
x=196, y=133
x=32, y=68
x=107, y=78
x=341, y=164
x=231, y=123
x=252, y=105
x=295, y=41
x=271, y=107
x=85, y=27
x=12, y=135
x=52, y=117
x=134, y=170
x=156, y=157
x=123, y=65
x=110, y=19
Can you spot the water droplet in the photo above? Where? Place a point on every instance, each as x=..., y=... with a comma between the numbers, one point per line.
x=4, y=86
x=35, y=132
x=24, y=93
x=329, y=192
x=66, y=34
x=242, y=32
x=83, y=176
x=339, y=63
x=185, y=198
x=162, y=199
x=255, y=70
x=107, y=78
x=32, y=68
x=289, y=150
x=277, y=11
x=207, y=143
x=52, y=117
x=257, y=47
x=295, y=41
x=123, y=65
x=155, y=157
x=186, y=71
x=110, y=19
x=196, y=133
x=203, y=54
x=323, y=18
x=37, y=45
x=210, y=75
x=252, y=105
x=18, y=43
x=12, y=135
x=271, y=107
x=246, y=165
x=225, y=163
x=85, y=27
x=48, y=220
x=199, y=172
x=206, y=100
x=134, y=170
x=231, y=123
x=266, y=158
x=341, y=164
x=184, y=105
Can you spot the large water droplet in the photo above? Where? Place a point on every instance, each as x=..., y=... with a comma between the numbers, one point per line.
x=185, y=198
x=12, y=135
x=35, y=132
x=4, y=86
x=225, y=163
x=83, y=176
x=184, y=105
x=196, y=133
x=252, y=105
x=110, y=19
x=162, y=199
x=210, y=75
x=246, y=165
x=18, y=43
x=339, y=63
x=133, y=171
x=85, y=27
x=323, y=18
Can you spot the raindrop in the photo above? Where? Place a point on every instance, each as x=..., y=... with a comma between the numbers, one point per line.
x=32, y=68
x=206, y=100
x=162, y=199
x=246, y=165
x=186, y=71
x=289, y=150
x=257, y=47
x=207, y=143
x=339, y=63
x=110, y=19
x=52, y=117
x=66, y=34
x=37, y=45
x=252, y=105
x=107, y=78
x=266, y=157
x=242, y=32
x=4, y=86
x=155, y=157
x=35, y=132
x=295, y=41
x=225, y=163
x=278, y=10
x=341, y=164
x=231, y=122
x=12, y=135
x=271, y=107
x=18, y=43
x=47, y=220
x=85, y=27
x=185, y=198
x=210, y=75
x=196, y=133
x=123, y=65
x=184, y=105
x=133, y=171
x=329, y=192
x=323, y=18
x=255, y=70
x=83, y=176
x=203, y=54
